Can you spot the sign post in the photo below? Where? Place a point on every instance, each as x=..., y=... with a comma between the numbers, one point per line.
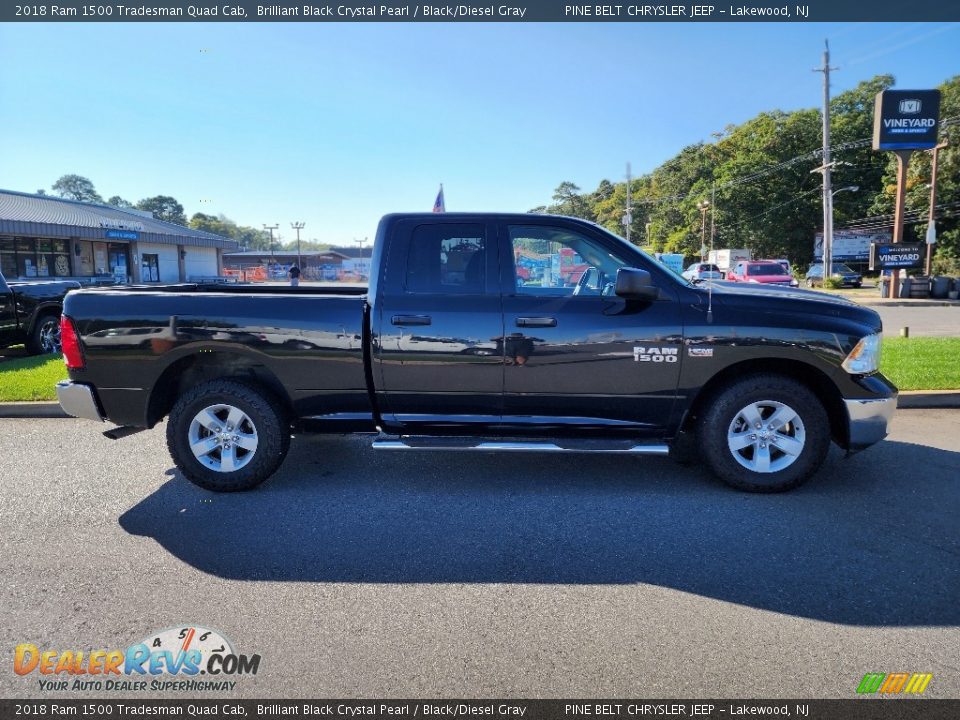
x=904, y=121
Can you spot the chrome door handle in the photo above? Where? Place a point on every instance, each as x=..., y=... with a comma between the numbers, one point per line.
x=411, y=320
x=536, y=322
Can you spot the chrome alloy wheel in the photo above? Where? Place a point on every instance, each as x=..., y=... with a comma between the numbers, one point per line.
x=766, y=436
x=223, y=438
x=50, y=336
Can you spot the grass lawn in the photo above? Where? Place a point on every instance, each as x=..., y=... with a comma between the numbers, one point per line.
x=922, y=363
x=918, y=363
x=31, y=378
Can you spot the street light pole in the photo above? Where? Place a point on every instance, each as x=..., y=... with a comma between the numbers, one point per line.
x=298, y=226
x=703, y=206
x=931, y=218
x=628, y=215
x=271, y=228
x=828, y=269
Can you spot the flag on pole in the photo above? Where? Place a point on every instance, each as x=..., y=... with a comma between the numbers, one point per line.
x=438, y=204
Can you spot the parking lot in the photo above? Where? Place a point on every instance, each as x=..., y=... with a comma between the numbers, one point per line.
x=356, y=573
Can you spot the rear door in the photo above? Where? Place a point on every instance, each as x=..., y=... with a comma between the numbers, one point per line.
x=438, y=358
x=576, y=355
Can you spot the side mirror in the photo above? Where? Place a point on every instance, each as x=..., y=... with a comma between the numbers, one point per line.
x=636, y=284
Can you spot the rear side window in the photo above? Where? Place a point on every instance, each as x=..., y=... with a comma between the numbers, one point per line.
x=446, y=259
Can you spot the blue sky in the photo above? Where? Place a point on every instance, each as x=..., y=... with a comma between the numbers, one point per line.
x=335, y=124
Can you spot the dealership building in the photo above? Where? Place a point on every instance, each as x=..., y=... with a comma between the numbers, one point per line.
x=49, y=237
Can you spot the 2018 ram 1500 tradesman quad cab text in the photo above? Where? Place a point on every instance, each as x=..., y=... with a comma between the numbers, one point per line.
x=490, y=332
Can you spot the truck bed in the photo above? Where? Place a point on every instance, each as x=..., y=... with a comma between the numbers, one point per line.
x=305, y=343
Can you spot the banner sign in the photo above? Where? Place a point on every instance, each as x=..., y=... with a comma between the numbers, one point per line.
x=488, y=709
x=891, y=256
x=906, y=119
x=850, y=245
x=123, y=234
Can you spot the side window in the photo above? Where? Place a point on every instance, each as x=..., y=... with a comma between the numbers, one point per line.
x=555, y=261
x=446, y=259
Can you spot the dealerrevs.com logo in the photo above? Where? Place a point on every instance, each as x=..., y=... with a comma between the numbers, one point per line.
x=894, y=683
x=188, y=658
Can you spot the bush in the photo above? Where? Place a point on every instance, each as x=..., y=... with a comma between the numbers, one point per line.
x=946, y=262
x=832, y=283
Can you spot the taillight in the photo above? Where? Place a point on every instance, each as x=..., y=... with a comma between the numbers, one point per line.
x=70, y=343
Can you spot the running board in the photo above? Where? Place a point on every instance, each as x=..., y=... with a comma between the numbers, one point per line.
x=567, y=446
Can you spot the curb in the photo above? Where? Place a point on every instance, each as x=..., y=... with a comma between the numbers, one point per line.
x=928, y=399
x=31, y=410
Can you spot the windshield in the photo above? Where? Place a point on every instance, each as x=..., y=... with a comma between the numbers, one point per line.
x=766, y=269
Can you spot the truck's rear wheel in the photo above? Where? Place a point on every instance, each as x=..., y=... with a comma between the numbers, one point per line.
x=226, y=435
x=765, y=433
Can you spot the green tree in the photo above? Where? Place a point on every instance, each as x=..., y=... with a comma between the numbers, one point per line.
x=119, y=202
x=76, y=187
x=165, y=208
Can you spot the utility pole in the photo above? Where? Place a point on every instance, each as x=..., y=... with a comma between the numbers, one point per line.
x=628, y=215
x=298, y=226
x=271, y=228
x=931, y=218
x=825, y=168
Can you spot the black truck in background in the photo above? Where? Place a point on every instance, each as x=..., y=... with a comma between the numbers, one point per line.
x=491, y=332
x=30, y=313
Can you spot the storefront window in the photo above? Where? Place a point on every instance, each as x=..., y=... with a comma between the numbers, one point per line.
x=8, y=258
x=34, y=257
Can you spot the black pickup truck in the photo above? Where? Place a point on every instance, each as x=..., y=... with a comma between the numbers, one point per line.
x=30, y=313
x=486, y=332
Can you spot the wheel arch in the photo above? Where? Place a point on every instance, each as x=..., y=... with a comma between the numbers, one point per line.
x=812, y=377
x=192, y=370
x=42, y=311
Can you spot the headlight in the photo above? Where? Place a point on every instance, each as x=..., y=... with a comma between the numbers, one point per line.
x=794, y=283
x=865, y=357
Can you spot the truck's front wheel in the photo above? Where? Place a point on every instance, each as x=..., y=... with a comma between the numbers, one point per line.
x=765, y=433
x=225, y=435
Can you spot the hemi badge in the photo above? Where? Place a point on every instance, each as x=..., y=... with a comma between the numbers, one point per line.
x=700, y=352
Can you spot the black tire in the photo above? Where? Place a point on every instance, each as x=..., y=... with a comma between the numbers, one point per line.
x=45, y=338
x=723, y=416
x=264, y=414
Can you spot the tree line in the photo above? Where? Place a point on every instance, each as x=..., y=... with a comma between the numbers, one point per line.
x=167, y=208
x=761, y=176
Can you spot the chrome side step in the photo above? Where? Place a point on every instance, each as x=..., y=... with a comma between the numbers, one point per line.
x=567, y=446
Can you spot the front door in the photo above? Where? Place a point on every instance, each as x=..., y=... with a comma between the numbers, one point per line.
x=576, y=355
x=440, y=319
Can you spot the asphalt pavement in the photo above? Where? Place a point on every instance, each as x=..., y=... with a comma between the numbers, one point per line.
x=355, y=573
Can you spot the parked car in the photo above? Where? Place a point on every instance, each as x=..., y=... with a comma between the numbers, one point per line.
x=702, y=271
x=766, y=272
x=786, y=265
x=625, y=358
x=847, y=275
x=30, y=313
